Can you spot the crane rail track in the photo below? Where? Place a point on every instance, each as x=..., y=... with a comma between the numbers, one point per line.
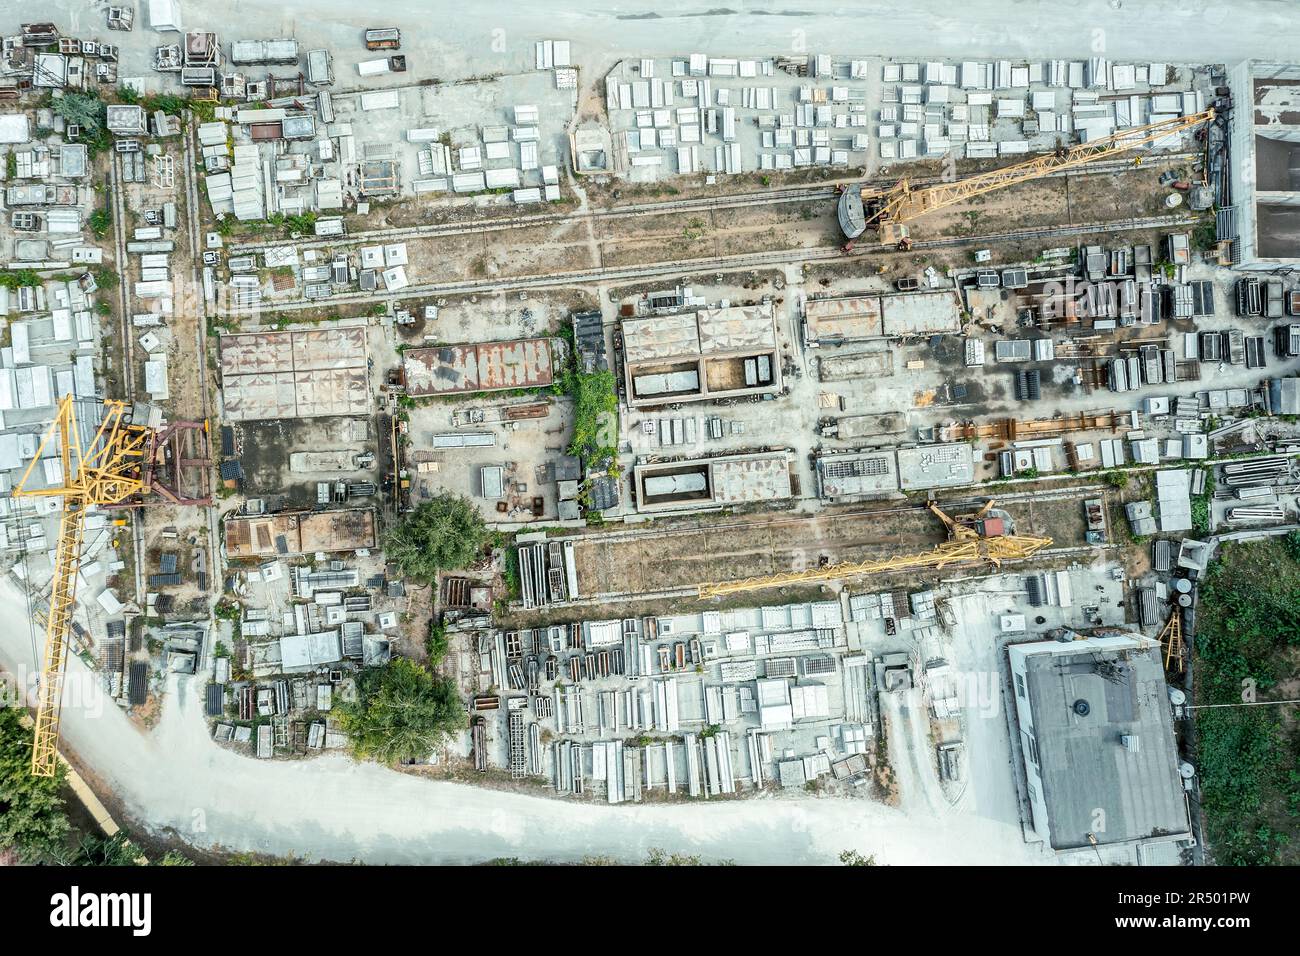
x=692, y=591
x=699, y=204
x=730, y=263
x=782, y=520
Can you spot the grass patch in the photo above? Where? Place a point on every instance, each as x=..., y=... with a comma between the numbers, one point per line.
x=1248, y=647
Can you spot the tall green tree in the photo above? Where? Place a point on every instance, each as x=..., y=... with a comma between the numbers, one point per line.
x=402, y=712
x=443, y=534
x=32, y=820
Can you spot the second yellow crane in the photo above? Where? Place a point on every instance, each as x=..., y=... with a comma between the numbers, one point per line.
x=887, y=211
x=972, y=539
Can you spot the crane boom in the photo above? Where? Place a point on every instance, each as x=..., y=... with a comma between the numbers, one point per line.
x=49, y=695
x=970, y=541
x=957, y=552
x=106, y=471
x=888, y=210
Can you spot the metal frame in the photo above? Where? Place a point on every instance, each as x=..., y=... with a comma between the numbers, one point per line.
x=1171, y=638
x=108, y=470
x=888, y=209
x=964, y=546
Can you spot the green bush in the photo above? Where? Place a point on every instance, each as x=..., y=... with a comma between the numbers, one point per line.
x=100, y=220
x=595, y=413
x=1247, y=636
x=437, y=643
x=85, y=109
x=32, y=820
x=304, y=224
x=20, y=278
x=510, y=573
x=167, y=102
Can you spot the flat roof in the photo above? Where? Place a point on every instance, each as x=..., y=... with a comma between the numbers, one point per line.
x=14, y=128
x=301, y=374
x=843, y=319
x=1083, y=762
x=344, y=529
x=304, y=651
x=920, y=313
x=660, y=337
x=752, y=478
x=864, y=473
x=732, y=479
x=745, y=329
x=936, y=466
x=482, y=367
x=1277, y=225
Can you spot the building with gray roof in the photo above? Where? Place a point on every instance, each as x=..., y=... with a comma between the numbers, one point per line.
x=1097, y=737
x=1262, y=217
x=699, y=356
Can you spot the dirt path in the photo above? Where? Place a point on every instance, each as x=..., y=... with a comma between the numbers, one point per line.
x=175, y=780
x=907, y=724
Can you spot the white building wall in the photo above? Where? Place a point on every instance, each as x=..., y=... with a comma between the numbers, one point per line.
x=1025, y=732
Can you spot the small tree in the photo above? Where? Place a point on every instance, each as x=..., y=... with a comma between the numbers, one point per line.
x=442, y=534
x=402, y=712
x=854, y=858
x=84, y=109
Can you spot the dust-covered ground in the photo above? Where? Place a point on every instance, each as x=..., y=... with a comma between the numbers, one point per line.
x=173, y=780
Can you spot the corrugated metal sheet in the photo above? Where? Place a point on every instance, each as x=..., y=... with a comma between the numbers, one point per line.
x=522, y=363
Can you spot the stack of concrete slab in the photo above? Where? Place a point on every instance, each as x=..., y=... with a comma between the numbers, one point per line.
x=1174, y=499
x=246, y=183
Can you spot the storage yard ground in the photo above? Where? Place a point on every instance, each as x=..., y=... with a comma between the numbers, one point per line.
x=588, y=273
x=729, y=548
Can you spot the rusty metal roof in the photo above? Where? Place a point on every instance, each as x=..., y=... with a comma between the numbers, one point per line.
x=300, y=532
x=485, y=367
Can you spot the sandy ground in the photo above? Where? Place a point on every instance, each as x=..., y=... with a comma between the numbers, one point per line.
x=175, y=779
x=910, y=752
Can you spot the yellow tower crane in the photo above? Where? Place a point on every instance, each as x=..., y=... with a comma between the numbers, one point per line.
x=887, y=211
x=119, y=464
x=972, y=539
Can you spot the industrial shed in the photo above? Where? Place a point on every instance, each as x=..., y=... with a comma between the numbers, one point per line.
x=304, y=374
x=725, y=481
x=920, y=313
x=699, y=356
x=1096, y=729
x=255, y=536
x=847, y=319
x=484, y=367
